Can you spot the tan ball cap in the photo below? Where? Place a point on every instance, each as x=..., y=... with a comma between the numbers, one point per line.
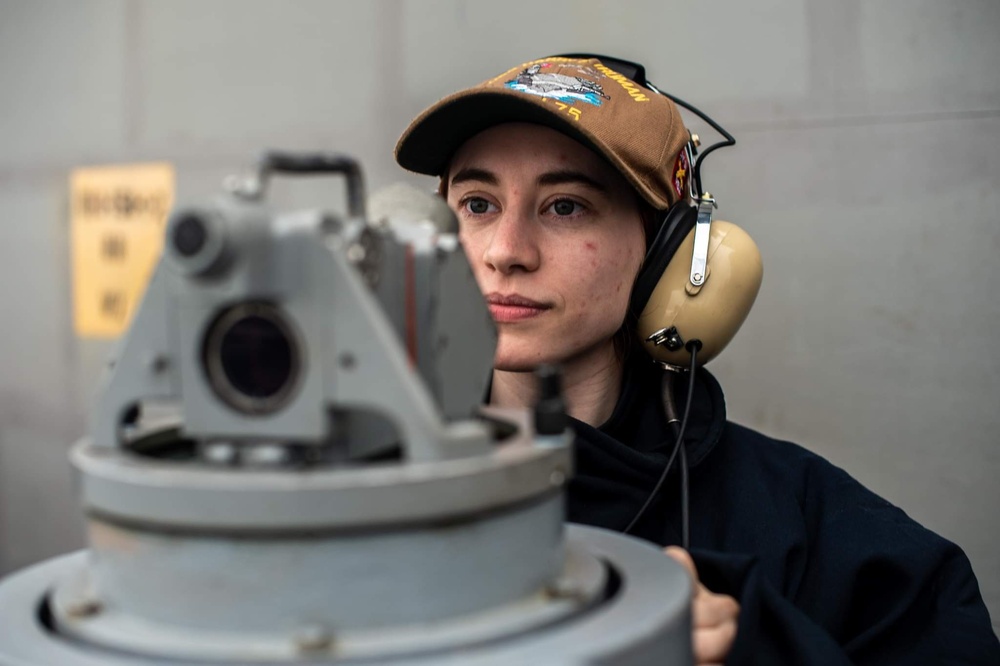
x=638, y=131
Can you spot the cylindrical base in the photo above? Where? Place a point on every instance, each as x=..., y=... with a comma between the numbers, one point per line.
x=641, y=616
x=260, y=597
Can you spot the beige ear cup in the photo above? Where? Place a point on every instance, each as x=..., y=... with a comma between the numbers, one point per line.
x=713, y=312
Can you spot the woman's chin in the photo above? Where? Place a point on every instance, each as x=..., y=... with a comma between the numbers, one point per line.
x=527, y=357
x=520, y=359
x=516, y=364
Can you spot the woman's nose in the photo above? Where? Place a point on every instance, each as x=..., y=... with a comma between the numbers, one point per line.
x=513, y=244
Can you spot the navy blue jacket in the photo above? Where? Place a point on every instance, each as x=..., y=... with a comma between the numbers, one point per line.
x=825, y=571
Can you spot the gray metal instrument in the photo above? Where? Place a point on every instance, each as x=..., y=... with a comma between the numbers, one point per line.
x=288, y=464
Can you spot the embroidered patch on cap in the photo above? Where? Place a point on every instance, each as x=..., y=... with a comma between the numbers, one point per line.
x=534, y=80
x=681, y=168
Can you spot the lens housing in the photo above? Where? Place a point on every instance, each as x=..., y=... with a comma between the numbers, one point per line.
x=198, y=242
x=253, y=358
x=189, y=234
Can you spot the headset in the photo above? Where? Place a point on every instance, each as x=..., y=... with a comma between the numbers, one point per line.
x=694, y=289
x=700, y=277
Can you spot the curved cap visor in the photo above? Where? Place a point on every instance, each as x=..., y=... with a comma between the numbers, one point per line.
x=639, y=132
x=429, y=143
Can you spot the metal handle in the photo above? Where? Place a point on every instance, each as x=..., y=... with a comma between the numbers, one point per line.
x=702, y=234
x=277, y=162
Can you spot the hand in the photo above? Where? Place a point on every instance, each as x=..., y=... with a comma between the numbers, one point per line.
x=714, y=617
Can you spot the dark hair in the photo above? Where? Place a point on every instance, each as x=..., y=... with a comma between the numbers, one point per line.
x=624, y=338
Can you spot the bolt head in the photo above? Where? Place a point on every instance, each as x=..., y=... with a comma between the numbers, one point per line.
x=313, y=638
x=356, y=253
x=84, y=608
x=159, y=363
x=564, y=588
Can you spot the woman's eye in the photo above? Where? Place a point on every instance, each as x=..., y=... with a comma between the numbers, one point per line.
x=566, y=207
x=478, y=206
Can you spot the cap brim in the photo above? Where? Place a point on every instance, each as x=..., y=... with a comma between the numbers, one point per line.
x=429, y=142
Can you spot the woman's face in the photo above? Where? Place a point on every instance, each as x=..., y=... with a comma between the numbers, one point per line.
x=555, y=240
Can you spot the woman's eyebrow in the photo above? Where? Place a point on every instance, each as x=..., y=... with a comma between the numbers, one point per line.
x=565, y=176
x=474, y=174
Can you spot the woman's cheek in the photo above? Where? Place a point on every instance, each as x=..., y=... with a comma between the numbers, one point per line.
x=470, y=249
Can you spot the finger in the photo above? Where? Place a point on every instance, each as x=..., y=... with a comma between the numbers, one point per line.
x=711, y=609
x=713, y=644
x=684, y=558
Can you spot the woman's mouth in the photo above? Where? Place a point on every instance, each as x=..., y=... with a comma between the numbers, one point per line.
x=512, y=307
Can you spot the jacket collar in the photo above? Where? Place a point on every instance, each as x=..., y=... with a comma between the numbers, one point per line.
x=642, y=392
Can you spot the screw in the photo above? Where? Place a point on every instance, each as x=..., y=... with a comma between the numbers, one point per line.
x=565, y=588
x=697, y=277
x=159, y=363
x=221, y=453
x=313, y=638
x=83, y=608
x=356, y=253
x=667, y=336
x=347, y=361
x=245, y=187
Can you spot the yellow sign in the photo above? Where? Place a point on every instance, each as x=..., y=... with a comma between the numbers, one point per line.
x=118, y=217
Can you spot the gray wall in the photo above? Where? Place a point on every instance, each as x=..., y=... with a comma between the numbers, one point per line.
x=867, y=169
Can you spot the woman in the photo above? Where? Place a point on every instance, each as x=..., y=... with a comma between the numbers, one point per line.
x=560, y=171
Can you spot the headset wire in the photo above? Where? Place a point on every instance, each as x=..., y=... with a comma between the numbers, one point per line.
x=678, y=449
x=730, y=140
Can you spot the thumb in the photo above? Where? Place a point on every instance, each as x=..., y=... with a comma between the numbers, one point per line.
x=684, y=559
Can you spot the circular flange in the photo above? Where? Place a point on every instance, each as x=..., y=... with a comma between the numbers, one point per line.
x=118, y=486
x=645, y=620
